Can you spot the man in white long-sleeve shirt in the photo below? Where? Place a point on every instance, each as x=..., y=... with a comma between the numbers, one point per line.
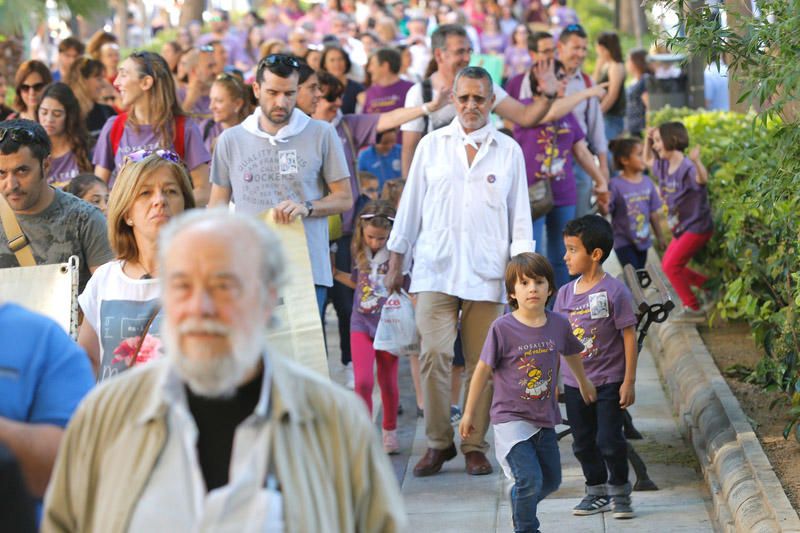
x=463, y=214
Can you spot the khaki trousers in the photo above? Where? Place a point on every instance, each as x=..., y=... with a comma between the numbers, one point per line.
x=437, y=321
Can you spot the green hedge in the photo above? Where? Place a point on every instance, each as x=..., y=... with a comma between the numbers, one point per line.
x=753, y=256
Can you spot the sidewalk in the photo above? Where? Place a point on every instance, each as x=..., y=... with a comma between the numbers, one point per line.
x=452, y=501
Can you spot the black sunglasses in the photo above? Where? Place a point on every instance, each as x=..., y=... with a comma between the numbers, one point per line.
x=18, y=135
x=24, y=87
x=280, y=59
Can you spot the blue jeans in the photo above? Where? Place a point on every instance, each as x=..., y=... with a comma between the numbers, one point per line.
x=598, y=441
x=322, y=297
x=583, y=187
x=555, y=221
x=614, y=127
x=631, y=255
x=536, y=465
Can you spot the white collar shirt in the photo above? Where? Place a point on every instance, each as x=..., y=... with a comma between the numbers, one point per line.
x=175, y=496
x=461, y=223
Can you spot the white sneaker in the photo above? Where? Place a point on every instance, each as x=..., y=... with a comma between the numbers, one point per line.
x=350, y=379
x=390, y=443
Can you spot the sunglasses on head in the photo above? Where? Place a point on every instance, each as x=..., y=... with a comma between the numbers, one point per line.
x=577, y=29
x=24, y=87
x=147, y=61
x=280, y=59
x=141, y=155
x=370, y=216
x=206, y=48
x=18, y=135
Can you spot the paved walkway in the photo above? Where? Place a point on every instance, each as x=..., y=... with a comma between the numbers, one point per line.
x=452, y=501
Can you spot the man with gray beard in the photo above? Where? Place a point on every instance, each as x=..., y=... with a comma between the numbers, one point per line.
x=221, y=434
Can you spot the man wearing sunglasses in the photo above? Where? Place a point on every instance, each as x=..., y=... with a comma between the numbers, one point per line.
x=452, y=51
x=55, y=225
x=219, y=22
x=280, y=159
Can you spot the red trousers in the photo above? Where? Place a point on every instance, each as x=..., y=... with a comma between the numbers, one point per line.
x=364, y=358
x=678, y=254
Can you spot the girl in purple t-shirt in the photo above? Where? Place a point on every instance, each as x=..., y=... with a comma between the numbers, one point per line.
x=60, y=115
x=370, y=264
x=683, y=183
x=634, y=204
x=522, y=353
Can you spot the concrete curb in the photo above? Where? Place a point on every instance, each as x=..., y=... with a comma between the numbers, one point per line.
x=745, y=492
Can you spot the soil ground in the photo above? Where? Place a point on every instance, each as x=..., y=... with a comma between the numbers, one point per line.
x=732, y=344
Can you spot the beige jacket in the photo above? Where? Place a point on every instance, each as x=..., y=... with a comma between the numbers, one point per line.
x=333, y=473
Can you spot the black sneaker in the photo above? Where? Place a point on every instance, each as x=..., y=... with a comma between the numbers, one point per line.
x=592, y=504
x=621, y=507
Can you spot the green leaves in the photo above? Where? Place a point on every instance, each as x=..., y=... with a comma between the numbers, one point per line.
x=15, y=15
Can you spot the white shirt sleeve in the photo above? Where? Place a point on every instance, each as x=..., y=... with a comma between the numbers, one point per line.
x=500, y=94
x=408, y=221
x=519, y=207
x=414, y=99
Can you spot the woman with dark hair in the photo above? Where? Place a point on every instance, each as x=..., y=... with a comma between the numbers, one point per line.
x=171, y=51
x=610, y=67
x=60, y=116
x=246, y=57
x=636, y=94
x=154, y=119
x=97, y=41
x=89, y=188
x=517, y=58
x=31, y=79
x=493, y=40
x=336, y=62
x=86, y=79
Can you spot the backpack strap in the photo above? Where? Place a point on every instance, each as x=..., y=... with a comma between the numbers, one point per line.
x=586, y=80
x=207, y=129
x=180, y=136
x=116, y=131
x=16, y=240
x=427, y=96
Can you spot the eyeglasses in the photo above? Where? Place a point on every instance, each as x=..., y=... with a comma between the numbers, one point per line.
x=577, y=29
x=141, y=155
x=465, y=98
x=18, y=135
x=279, y=59
x=24, y=87
x=206, y=48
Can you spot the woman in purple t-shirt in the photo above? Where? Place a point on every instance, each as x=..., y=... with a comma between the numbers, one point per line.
x=147, y=91
x=522, y=353
x=493, y=40
x=59, y=113
x=683, y=183
x=230, y=105
x=517, y=58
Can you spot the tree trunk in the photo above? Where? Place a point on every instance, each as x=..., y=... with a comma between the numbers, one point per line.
x=631, y=19
x=121, y=22
x=192, y=10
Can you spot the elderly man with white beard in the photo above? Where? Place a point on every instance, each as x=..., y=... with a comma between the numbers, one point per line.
x=221, y=434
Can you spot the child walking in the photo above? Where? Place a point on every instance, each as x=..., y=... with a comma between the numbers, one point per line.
x=522, y=351
x=370, y=263
x=634, y=204
x=599, y=309
x=682, y=181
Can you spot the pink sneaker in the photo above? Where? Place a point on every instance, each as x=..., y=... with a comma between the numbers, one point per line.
x=390, y=442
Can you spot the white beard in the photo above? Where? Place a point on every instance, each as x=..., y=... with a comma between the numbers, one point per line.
x=217, y=375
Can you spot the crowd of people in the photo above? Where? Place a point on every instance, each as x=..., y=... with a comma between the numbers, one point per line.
x=411, y=171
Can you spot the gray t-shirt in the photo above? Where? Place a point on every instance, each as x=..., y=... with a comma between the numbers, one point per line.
x=261, y=176
x=68, y=226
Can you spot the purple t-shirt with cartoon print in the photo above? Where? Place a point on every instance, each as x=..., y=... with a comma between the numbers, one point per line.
x=144, y=138
x=525, y=361
x=598, y=317
x=630, y=208
x=370, y=294
x=687, y=200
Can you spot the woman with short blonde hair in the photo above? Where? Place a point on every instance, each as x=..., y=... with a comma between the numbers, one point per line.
x=123, y=295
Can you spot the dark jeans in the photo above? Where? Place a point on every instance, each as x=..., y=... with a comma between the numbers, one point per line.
x=17, y=508
x=631, y=255
x=341, y=296
x=598, y=440
x=536, y=465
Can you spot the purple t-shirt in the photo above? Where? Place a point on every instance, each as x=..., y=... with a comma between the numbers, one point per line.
x=687, y=200
x=525, y=363
x=62, y=170
x=379, y=99
x=195, y=153
x=493, y=44
x=370, y=295
x=630, y=207
x=598, y=317
x=518, y=60
x=210, y=133
x=202, y=106
x=363, y=129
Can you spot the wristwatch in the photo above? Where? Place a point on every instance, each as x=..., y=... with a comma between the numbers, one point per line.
x=309, y=206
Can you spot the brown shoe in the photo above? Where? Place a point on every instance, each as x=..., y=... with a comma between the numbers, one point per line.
x=477, y=464
x=433, y=460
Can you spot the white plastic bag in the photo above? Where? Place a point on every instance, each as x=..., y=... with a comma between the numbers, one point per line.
x=397, y=329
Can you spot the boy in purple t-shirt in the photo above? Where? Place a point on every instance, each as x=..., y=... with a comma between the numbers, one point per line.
x=522, y=351
x=600, y=310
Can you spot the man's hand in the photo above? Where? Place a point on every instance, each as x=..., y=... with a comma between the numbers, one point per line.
x=442, y=99
x=598, y=90
x=394, y=278
x=545, y=73
x=627, y=394
x=287, y=211
x=603, y=197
